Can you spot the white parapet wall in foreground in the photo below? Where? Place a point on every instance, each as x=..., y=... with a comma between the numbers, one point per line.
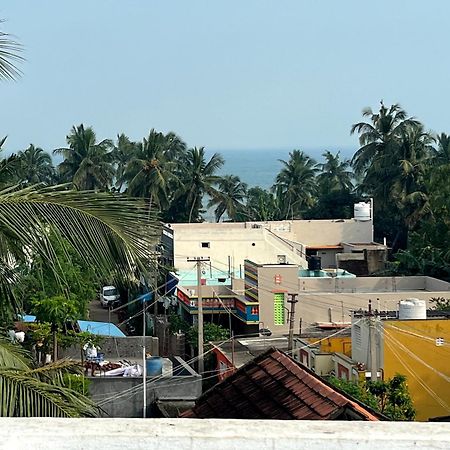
x=169, y=434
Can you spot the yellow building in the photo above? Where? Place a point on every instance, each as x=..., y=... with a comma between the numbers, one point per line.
x=420, y=349
x=335, y=344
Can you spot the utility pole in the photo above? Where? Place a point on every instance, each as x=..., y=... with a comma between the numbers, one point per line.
x=144, y=360
x=155, y=299
x=372, y=344
x=198, y=260
x=292, y=300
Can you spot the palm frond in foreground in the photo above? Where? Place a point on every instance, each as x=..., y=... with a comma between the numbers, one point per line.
x=112, y=233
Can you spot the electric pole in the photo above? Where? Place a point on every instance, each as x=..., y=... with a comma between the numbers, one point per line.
x=155, y=299
x=144, y=359
x=372, y=344
x=198, y=260
x=292, y=300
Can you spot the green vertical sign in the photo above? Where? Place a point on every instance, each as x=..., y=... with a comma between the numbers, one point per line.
x=278, y=309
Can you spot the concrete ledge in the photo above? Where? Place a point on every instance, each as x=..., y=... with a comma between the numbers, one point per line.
x=168, y=434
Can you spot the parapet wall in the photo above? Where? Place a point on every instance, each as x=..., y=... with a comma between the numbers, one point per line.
x=373, y=284
x=118, y=348
x=180, y=434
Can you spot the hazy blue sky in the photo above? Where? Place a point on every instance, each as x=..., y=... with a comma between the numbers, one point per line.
x=247, y=74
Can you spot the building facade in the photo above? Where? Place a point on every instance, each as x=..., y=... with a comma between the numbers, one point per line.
x=418, y=349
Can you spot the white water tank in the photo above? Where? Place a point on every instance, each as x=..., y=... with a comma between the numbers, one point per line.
x=411, y=309
x=361, y=211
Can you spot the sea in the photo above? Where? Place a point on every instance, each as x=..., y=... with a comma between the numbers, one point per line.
x=260, y=167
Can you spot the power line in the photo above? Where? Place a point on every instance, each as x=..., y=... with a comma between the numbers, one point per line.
x=417, y=377
x=418, y=359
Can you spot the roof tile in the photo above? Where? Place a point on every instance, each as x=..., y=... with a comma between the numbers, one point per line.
x=274, y=386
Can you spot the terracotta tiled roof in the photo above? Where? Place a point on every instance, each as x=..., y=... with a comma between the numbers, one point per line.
x=274, y=386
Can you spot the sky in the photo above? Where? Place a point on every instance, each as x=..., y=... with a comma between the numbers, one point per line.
x=224, y=74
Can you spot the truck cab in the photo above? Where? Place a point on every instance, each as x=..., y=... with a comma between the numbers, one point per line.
x=108, y=296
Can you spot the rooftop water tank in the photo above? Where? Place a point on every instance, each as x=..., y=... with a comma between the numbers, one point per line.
x=411, y=309
x=361, y=211
x=314, y=263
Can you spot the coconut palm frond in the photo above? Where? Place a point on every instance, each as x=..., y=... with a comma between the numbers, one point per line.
x=13, y=356
x=54, y=373
x=9, y=57
x=26, y=396
x=110, y=232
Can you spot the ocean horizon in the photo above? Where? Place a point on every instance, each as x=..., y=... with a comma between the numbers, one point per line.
x=260, y=167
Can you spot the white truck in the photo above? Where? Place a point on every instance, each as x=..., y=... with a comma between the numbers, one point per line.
x=109, y=296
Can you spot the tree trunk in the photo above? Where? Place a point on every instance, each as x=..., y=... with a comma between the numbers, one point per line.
x=55, y=347
x=192, y=208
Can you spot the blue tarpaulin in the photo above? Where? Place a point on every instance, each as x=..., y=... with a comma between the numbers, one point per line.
x=100, y=328
x=28, y=318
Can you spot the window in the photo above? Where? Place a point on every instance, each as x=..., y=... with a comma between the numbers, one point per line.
x=278, y=309
x=205, y=245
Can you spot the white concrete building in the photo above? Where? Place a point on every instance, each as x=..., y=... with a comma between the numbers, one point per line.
x=228, y=244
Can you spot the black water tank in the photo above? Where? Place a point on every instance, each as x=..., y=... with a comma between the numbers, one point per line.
x=314, y=263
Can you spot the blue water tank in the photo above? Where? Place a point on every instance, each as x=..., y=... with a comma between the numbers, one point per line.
x=154, y=366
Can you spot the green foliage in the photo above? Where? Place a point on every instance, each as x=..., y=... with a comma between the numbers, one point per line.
x=392, y=162
x=88, y=164
x=211, y=333
x=261, y=206
x=9, y=57
x=45, y=391
x=77, y=383
x=228, y=198
x=440, y=303
x=177, y=324
x=198, y=178
x=72, y=277
x=57, y=310
x=296, y=185
x=394, y=399
x=428, y=250
x=390, y=397
x=35, y=166
x=360, y=391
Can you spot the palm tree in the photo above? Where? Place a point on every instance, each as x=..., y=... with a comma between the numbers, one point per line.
x=334, y=174
x=88, y=164
x=123, y=153
x=199, y=178
x=9, y=168
x=295, y=184
x=379, y=139
x=379, y=163
x=409, y=190
x=30, y=391
x=261, y=205
x=442, y=153
x=228, y=199
x=153, y=167
x=9, y=56
x=113, y=234
x=36, y=166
